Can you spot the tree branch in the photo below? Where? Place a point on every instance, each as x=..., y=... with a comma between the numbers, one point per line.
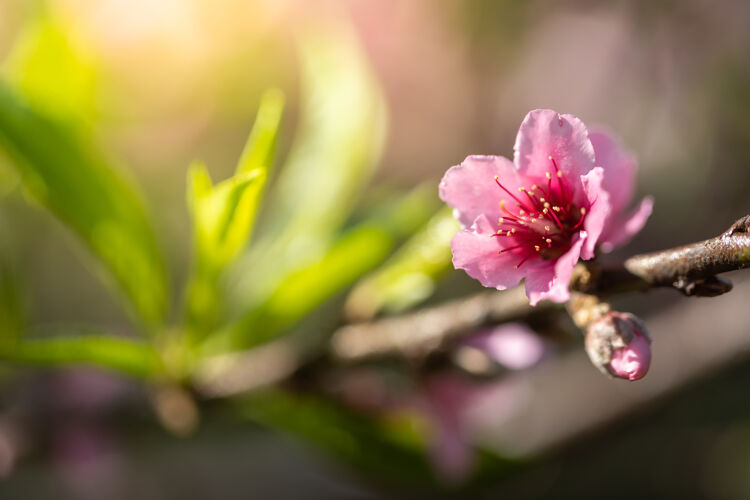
x=691, y=269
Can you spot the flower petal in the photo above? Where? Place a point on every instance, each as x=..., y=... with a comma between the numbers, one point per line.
x=471, y=190
x=622, y=231
x=513, y=345
x=476, y=252
x=551, y=280
x=619, y=169
x=599, y=210
x=546, y=133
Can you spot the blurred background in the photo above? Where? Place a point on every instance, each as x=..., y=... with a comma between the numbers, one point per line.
x=381, y=98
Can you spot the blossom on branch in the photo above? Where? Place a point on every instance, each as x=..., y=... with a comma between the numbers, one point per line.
x=619, y=345
x=565, y=192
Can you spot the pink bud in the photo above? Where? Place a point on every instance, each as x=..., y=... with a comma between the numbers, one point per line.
x=618, y=344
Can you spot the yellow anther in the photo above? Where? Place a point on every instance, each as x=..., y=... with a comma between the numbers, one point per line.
x=522, y=189
x=533, y=221
x=548, y=240
x=536, y=247
x=502, y=203
x=549, y=176
x=534, y=186
x=545, y=210
x=549, y=158
x=546, y=204
x=583, y=211
x=546, y=228
x=559, y=174
x=507, y=234
x=500, y=221
x=513, y=230
x=522, y=212
x=496, y=177
x=556, y=208
x=542, y=200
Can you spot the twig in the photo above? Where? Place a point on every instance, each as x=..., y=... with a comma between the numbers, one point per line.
x=417, y=334
x=690, y=269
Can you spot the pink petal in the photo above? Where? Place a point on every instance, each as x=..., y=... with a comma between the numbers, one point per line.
x=598, y=212
x=546, y=133
x=471, y=190
x=550, y=281
x=476, y=252
x=513, y=345
x=632, y=361
x=619, y=169
x=450, y=452
x=620, y=232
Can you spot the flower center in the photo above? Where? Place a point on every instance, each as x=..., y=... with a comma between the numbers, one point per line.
x=543, y=221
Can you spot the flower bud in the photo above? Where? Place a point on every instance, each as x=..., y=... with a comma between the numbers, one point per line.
x=618, y=344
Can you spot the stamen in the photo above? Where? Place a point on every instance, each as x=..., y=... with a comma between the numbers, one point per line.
x=580, y=221
x=560, y=181
x=520, y=203
x=537, y=248
x=524, y=260
x=509, y=248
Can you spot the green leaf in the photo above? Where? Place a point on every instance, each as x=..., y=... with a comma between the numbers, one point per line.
x=11, y=302
x=122, y=355
x=224, y=215
x=68, y=176
x=260, y=148
x=51, y=70
x=356, y=252
x=391, y=449
x=336, y=149
x=411, y=274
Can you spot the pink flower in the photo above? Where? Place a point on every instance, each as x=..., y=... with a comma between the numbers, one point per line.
x=619, y=345
x=564, y=193
x=512, y=345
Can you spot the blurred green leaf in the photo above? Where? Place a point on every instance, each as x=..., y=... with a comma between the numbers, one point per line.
x=63, y=172
x=11, y=301
x=337, y=146
x=114, y=353
x=355, y=252
x=224, y=215
x=51, y=71
x=411, y=274
x=373, y=446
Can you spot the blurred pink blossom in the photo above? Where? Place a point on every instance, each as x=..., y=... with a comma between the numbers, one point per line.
x=534, y=217
x=448, y=397
x=513, y=345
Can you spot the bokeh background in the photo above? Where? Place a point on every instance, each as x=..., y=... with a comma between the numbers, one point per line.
x=161, y=83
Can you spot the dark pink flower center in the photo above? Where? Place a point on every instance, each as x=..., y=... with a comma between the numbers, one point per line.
x=544, y=219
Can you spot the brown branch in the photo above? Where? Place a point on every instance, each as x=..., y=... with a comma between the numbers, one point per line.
x=416, y=334
x=690, y=269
